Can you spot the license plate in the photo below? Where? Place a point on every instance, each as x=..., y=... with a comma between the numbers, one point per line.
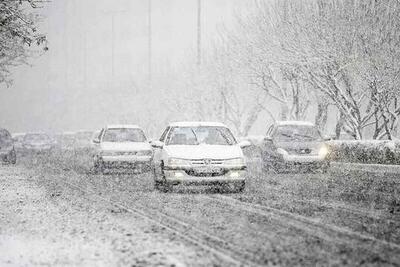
x=208, y=170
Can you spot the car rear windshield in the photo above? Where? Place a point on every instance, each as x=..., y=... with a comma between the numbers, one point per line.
x=200, y=135
x=297, y=133
x=124, y=135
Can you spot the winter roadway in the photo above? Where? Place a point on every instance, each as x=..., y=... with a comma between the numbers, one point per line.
x=54, y=211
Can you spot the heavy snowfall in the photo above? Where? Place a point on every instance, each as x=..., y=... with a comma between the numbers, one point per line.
x=199, y=133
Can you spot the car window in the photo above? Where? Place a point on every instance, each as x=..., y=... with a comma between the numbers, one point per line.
x=164, y=134
x=296, y=133
x=200, y=135
x=270, y=130
x=124, y=135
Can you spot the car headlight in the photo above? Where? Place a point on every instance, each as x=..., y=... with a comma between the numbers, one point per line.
x=235, y=162
x=178, y=162
x=282, y=151
x=323, y=151
x=145, y=153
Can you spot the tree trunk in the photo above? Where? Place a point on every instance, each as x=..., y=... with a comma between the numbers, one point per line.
x=322, y=116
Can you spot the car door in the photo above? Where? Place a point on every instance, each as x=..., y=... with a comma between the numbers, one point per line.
x=157, y=160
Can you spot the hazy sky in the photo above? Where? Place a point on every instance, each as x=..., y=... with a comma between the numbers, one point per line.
x=98, y=47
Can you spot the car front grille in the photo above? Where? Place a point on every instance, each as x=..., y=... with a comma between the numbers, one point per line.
x=206, y=162
x=126, y=153
x=203, y=173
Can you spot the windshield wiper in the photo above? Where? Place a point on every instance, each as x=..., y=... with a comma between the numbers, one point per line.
x=225, y=137
x=305, y=136
x=195, y=136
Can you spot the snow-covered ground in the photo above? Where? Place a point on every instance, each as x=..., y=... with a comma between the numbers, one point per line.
x=56, y=212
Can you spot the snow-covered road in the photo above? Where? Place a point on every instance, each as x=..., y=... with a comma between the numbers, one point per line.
x=65, y=215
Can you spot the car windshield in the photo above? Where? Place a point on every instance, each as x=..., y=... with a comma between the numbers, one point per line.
x=200, y=135
x=124, y=135
x=297, y=132
x=5, y=137
x=36, y=138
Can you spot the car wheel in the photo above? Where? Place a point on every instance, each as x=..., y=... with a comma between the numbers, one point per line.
x=159, y=182
x=162, y=186
x=239, y=188
x=13, y=157
x=98, y=167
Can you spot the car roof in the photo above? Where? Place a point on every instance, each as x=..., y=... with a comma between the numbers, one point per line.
x=295, y=123
x=196, y=123
x=119, y=126
x=36, y=133
x=18, y=134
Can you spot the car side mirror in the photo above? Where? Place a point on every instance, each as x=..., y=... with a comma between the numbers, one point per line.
x=157, y=144
x=329, y=137
x=96, y=141
x=244, y=143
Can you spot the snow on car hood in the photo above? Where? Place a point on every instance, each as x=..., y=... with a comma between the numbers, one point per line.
x=203, y=151
x=290, y=145
x=124, y=146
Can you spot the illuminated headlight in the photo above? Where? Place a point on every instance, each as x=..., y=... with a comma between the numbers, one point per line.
x=234, y=175
x=323, y=151
x=235, y=162
x=282, y=151
x=178, y=175
x=145, y=153
x=178, y=162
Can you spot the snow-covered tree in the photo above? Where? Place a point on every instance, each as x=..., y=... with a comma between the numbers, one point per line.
x=18, y=33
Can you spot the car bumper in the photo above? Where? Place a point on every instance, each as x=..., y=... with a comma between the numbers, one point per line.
x=303, y=159
x=128, y=162
x=186, y=178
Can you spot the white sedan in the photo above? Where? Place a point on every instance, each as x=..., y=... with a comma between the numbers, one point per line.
x=199, y=153
x=122, y=146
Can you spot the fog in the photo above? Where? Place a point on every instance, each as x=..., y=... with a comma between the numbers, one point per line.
x=96, y=70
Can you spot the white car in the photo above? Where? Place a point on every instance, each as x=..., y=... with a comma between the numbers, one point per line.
x=122, y=147
x=198, y=153
x=37, y=142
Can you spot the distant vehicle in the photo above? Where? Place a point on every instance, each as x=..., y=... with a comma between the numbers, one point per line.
x=18, y=140
x=37, y=142
x=294, y=144
x=7, y=150
x=122, y=147
x=199, y=153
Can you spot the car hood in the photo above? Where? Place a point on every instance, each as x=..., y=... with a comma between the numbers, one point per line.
x=203, y=151
x=296, y=145
x=37, y=144
x=124, y=146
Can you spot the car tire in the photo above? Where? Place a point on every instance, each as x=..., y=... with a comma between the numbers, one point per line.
x=98, y=167
x=161, y=185
x=239, y=188
x=13, y=157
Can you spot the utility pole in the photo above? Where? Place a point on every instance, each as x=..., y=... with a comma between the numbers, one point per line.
x=149, y=44
x=198, y=33
x=113, y=13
